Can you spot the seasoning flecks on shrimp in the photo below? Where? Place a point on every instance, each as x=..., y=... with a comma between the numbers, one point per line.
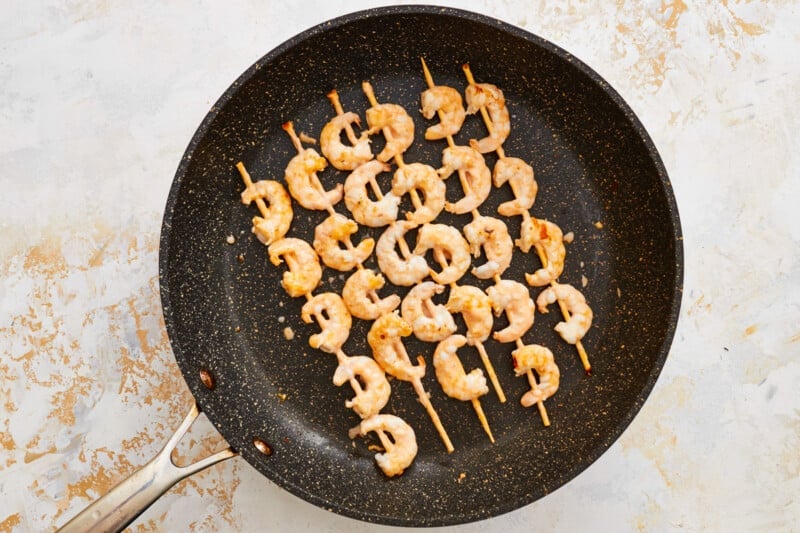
x=304, y=271
x=404, y=272
x=330, y=312
x=385, y=339
x=372, y=213
x=375, y=389
x=422, y=178
x=278, y=217
x=446, y=101
x=469, y=163
x=304, y=185
x=512, y=297
x=548, y=240
x=397, y=127
x=400, y=450
x=540, y=359
x=491, y=234
x=450, y=249
x=327, y=238
x=430, y=322
x=450, y=373
x=340, y=155
x=488, y=96
x=356, y=295
x=520, y=178
x=580, y=320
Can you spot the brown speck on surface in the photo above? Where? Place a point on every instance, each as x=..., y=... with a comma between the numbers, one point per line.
x=462, y=476
x=598, y=225
x=288, y=333
x=584, y=281
x=282, y=396
x=749, y=330
x=230, y=239
x=207, y=379
x=569, y=237
x=237, y=329
x=240, y=258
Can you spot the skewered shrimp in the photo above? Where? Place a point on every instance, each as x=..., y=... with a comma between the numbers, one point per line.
x=486, y=95
x=538, y=358
x=279, y=211
x=448, y=247
x=404, y=272
x=450, y=372
x=375, y=388
x=396, y=125
x=365, y=210
x=356, y=298
x=304, y=185
x=340, y=155
x=492, y=234
x=304, y=269
x=327, y=236
x=513, y=298
x=476, y=174
x=422, y=178
x=447, y=101
x=385, y=339
x=400, y=450
x=431, y=323
x=332, y=315
x=547, y=238
x=580, y=319
x=519, y=176
x=476, y=309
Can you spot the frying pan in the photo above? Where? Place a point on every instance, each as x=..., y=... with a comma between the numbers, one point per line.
x=273, y=399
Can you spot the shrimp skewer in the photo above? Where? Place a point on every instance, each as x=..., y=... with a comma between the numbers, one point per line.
x=543, y=256
x=275, y=220
x=341, y=156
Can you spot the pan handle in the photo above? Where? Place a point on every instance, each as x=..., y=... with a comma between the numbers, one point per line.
x=127, y=500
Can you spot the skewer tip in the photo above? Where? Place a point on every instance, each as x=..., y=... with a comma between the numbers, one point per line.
x=287, y=126
x=588, y=372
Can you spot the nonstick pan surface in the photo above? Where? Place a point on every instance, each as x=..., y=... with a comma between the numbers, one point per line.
x=599, y=177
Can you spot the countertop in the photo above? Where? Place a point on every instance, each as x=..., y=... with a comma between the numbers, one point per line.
x=98, y=101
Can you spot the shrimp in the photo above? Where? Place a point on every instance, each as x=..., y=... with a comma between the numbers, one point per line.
x=279, y=211
x=449, y=249
x=519, y=176
x=400, y=450
x=480, y=95
x=580, y=319
x=341, y=156
x=476, y=309
x=304, y=268
x=548, y=240
x=365, y=210
x=431, y=323
x=304, y=185
x=404, y=272
x=492, y=234
x=327, y=236
x=332, y=315
x=513, y=298
x=397, y=127
x=375, y=388
x=450, y=372
x=447, y=101
x=477, y=176
x=538, y=358
x=385, y=339
x=356, y=298
x=422, y=178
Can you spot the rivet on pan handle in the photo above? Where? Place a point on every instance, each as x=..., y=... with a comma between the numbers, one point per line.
x=127, y=500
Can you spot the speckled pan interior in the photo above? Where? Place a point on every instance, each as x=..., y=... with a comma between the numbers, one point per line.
x=226, y=312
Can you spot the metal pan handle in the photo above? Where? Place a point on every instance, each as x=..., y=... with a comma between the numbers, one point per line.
x=129, y=499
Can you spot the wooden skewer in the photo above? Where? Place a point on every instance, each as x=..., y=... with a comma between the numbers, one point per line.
x=476, y=404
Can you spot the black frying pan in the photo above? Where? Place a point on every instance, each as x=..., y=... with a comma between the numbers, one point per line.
x=225, y=311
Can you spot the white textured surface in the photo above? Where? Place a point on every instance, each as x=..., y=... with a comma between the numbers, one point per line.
x=98, y=100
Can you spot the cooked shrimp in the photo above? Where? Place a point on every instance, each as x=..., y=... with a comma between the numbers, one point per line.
x=365, y=210
x=477, y=175
x=304, y=269
x=279, y=211
x=447, y=101
x=385, y=339
x=304, y=185
x=540, y=359
x=548, y=240
x=580, y=319
x=356, y=297
x=334, y=230
x=480, y=95
x=400, y=450
x=476, y=309
x=332, y=315
x=513, y=298
x=340, y=155
x=491, y=234
x=448, y=246
x=424, y=179
x=430, y=322
x=519, y=176
x=396, y=125
x=404, y=272
x=450, y=372
x=375, y=388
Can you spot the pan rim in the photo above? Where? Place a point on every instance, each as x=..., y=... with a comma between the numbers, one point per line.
x=637, y=128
